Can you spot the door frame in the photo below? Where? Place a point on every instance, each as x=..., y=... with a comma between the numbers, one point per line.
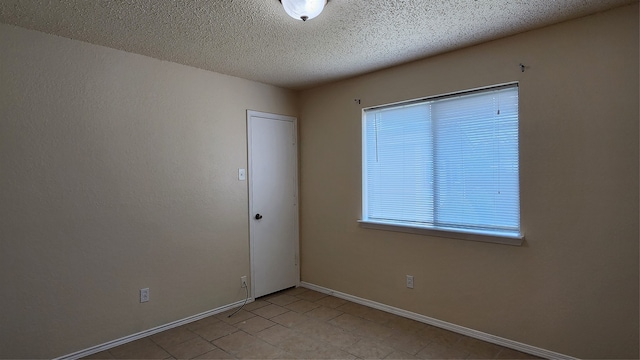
x=251, y=113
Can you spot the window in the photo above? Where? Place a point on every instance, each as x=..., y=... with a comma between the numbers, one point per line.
x=448, y=164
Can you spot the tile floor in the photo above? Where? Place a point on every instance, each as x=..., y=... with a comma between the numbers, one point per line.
x=304, y=324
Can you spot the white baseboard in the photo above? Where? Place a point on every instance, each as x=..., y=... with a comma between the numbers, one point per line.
x=536, y=351
x=111, y=344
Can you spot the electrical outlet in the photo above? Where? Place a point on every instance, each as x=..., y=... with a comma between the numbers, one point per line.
x=243, y=281
x=144, y=295
x=410, y=281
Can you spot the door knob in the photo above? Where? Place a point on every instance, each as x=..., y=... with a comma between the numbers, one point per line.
x=258, y=216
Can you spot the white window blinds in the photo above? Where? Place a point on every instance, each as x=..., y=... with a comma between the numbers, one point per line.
x=448, y=163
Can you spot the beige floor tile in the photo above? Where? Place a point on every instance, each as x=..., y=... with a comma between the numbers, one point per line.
x=400, y=356
x=235, y=318
x=269, y=296
x=302, y=306
x=362, y=327
x=290, y=319
x=270, y=311
x=375, y=330
x=254, y=325
x=202, y=323
x=283, y=299
x=348, y=322
x=295, y=291
x=235, y=342
x=173, y=336
x=478, y=349
x=284, y=355
x=302, y=346
x=216, y=354
x=506, y=353
x=190, y=348
x=407, y=341
x=323, y=313
x=139, y=349
x=331, y=353
x=311, y=295
x=330, y=334
x=259, y=350
x=256, y=305
x=403, y=324
x=215, y=331
x=275, y=334
x=305, y=324
x=379, y=316
x=331, y=302
x=440, y=336
x=100, y=355
x=353, y=309
x=439, y=351
x=368, y=349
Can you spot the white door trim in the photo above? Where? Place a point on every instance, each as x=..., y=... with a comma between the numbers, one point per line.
x=294, y=120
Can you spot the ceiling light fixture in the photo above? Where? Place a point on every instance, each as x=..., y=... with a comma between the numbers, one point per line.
x=303, y=9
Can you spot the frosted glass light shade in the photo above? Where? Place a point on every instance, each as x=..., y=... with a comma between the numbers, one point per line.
x=303, y=9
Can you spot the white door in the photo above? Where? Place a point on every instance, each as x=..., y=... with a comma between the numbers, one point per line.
x=273, y=202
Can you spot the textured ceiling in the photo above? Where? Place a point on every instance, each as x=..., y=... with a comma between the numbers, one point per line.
x=256, y=40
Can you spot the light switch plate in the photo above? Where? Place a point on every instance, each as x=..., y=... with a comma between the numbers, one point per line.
x=241, y=174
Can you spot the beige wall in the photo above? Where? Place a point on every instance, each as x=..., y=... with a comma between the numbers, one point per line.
x=573, y=286
x=117, y=172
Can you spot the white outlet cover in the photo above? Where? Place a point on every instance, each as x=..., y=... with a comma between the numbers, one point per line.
x=144, y=295
x=410, y=281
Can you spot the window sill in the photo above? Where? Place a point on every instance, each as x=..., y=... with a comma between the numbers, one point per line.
x=452, y=234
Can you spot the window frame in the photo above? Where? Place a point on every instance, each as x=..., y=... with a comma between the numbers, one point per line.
x=438, y=231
